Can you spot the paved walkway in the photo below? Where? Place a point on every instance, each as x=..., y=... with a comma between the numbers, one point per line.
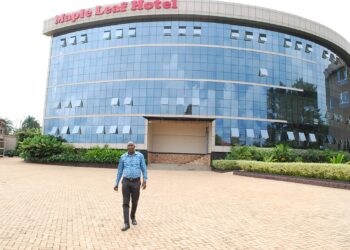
x=58, y=207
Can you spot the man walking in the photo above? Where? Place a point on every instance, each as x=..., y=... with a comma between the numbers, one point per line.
x=131, y=164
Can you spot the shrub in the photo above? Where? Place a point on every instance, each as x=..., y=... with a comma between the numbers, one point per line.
x=339, y=158
x=11, y=153
x=311, y=170
x=244, y=153
x=40, y=146
x=282, y=153
x=102, y=155
x=45, y=148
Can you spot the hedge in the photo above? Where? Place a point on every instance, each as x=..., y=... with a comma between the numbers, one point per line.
x=311, y=170
x=46, y=149
x=283, y=153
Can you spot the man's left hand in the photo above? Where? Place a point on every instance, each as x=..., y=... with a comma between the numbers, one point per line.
x=144, y=185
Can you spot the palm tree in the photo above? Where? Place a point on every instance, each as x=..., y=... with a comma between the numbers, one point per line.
x=8, y=126
x=30, y=122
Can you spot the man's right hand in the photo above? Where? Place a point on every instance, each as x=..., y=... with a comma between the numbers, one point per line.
x=116, y=188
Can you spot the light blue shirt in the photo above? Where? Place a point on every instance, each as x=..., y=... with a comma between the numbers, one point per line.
x=131, y=166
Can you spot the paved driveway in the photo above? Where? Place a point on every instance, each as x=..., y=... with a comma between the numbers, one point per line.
x=58, y=207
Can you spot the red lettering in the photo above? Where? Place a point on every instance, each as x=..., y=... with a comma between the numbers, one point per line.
x=166, y=5
x=88, y=13
x=115, y=9
x=148, y=5
x=157, y=4
x=137, y=5
x=98, y=11
x=75, y=16
x=59, y=19
x=67, y=18
x=174, y=4
x=108, y=10
x=123, y=6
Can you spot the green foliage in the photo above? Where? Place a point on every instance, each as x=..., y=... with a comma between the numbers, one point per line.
x=30, y=123
x=11, y=153
x=310, y=170
x=245, y=153
x=337, y=159
x=269, y=158
x=46, y=148
x=102, y=155
x=40, y=146
x=22, y=134
x=9, y=128
x=283, y=153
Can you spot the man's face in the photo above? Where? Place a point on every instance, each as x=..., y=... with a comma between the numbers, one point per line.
x=131, y=148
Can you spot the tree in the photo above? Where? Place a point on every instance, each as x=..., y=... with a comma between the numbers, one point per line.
x=9, y=129
x=30, y=123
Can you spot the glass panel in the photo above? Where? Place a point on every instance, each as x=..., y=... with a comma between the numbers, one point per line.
x=119, y=33
x=54, y=131
x=63, y=42
x=302, y=136
x=107, y=35
x=167, y=31
x=180, y=101
x=308, y=48
x=234, y=34
x=287, y=43
x=132, y=32
x=65, y=130
x=329, y=139
x=182, y=31
x=250, y=133
x=195, y=101
x=290, y=135
x=68, y=104
x=57, y=105
x=115, y=102
x=264, y=134
x=100, y=130
x=197, y=31
x=113, y=130
x=164, y=101
x=298, y=45
x=76, y=130
x=73, y=40
x=83, y=38
x=312, y=137
x=262, y=38
x=235, y=132
x=126, y=130
x=78, y=103
x=325, y=54
x=248, y=36
x=128, y=101
x=344, y=97
x=263, y=72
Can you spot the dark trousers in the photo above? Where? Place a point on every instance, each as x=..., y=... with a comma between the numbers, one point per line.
x=130, y=189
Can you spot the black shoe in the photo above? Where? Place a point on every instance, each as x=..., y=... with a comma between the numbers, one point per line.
x=134, y=222
x=125, y=227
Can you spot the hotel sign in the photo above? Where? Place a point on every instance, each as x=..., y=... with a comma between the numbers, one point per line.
x=136, y=5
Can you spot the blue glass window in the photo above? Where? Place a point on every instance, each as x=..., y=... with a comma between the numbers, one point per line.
x=132, y=32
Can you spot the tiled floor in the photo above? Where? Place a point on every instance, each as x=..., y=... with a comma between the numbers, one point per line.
x=58, y=207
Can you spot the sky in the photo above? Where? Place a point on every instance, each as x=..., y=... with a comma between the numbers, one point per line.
x=24, y=50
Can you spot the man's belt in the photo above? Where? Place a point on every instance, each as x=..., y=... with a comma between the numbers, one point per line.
x=132, y=179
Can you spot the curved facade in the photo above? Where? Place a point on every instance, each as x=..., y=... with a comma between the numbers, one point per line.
x=179, y=84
